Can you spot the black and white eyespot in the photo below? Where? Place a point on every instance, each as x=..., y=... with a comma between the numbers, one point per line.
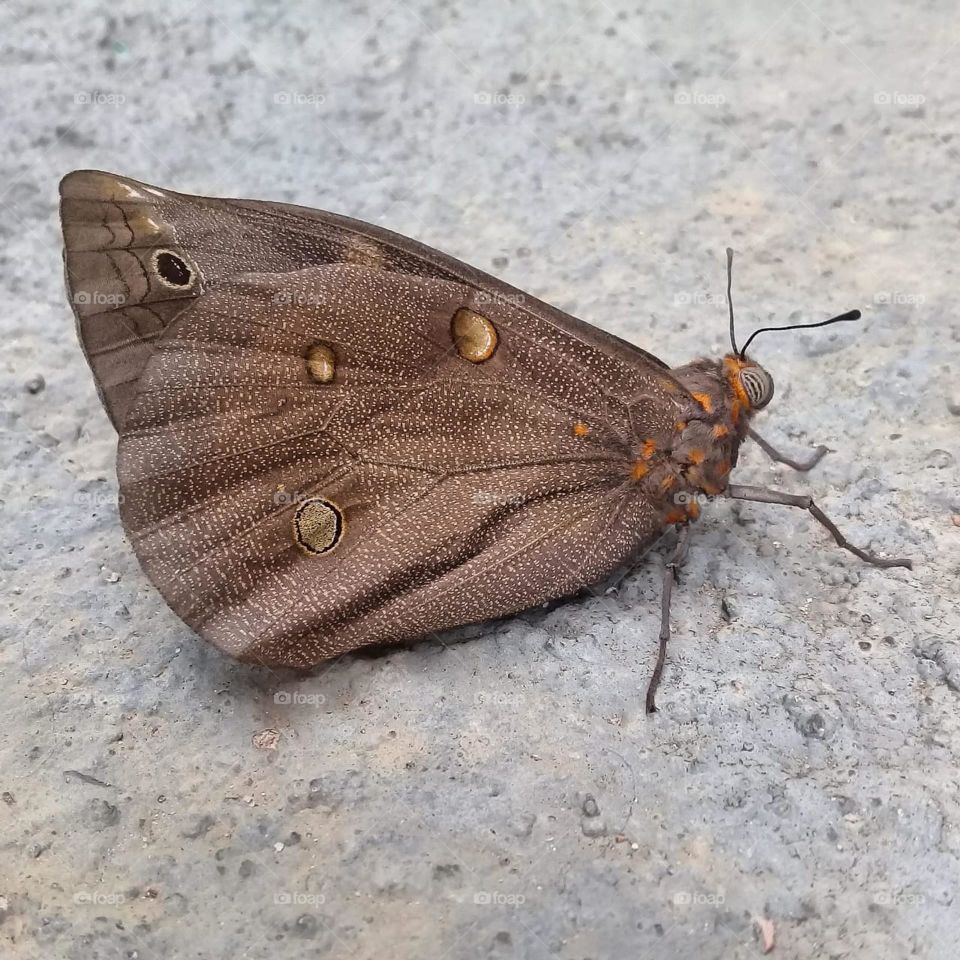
x=173, y=269
x=758, y=385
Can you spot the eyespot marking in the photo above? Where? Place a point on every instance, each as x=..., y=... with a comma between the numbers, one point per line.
x=172, y=269
x=580, y=429
x=317, y=526
x=474, y=336
x=321, y=362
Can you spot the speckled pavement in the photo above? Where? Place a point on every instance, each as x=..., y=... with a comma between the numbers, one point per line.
x=500, y=792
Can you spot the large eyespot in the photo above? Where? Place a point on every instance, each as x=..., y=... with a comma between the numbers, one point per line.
x=173, y=269
x=759, y=386
x=317, y=526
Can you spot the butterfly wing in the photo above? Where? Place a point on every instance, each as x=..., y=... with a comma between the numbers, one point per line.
x=440, y=490
x=136, y=256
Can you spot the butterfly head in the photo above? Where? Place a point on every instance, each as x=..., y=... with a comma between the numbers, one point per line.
x=751, y=384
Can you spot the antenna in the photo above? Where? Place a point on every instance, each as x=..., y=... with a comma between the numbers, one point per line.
x=842, y=318
x=733, y=339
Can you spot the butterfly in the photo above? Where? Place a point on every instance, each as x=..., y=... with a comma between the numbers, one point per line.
x=332, y=436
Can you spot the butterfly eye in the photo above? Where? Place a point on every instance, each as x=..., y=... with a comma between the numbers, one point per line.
x=758, y=385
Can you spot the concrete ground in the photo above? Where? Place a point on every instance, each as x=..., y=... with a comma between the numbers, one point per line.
x=506, y=796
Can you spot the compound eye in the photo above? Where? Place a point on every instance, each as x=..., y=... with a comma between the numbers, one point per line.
x=758, y=385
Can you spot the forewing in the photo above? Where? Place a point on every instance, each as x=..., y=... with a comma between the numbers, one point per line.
x=467, y=490
x=115, y=228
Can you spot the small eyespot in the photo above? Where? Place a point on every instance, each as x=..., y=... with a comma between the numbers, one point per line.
x=172, y=269
x=474, y=336
x=758, y=385
x=321, y=363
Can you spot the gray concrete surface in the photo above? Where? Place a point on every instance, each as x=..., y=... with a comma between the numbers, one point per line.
x=505, y=796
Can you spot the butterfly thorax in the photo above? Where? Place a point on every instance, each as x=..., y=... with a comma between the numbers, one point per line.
x=712, y=423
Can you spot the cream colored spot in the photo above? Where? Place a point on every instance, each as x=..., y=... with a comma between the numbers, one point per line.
x=115, y=189
x=146, y=228
x=317, y=526
x=321, y=363
x=366, y=253
x=474, y=336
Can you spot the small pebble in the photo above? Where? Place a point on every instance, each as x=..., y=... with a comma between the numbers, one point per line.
x=98, y=815
x=266, y=739
x=590, y=807
x=729, y=608
x=593, y=827
x=35, y=384
x=939, y=459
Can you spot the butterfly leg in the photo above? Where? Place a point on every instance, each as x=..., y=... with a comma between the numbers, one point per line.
x=774, y=454
x=738, y=491
x=670, y=576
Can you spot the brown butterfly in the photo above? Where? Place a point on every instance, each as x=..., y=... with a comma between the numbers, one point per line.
x=332, y=436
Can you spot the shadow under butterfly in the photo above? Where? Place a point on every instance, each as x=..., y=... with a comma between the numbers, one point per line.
x=332, y=436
